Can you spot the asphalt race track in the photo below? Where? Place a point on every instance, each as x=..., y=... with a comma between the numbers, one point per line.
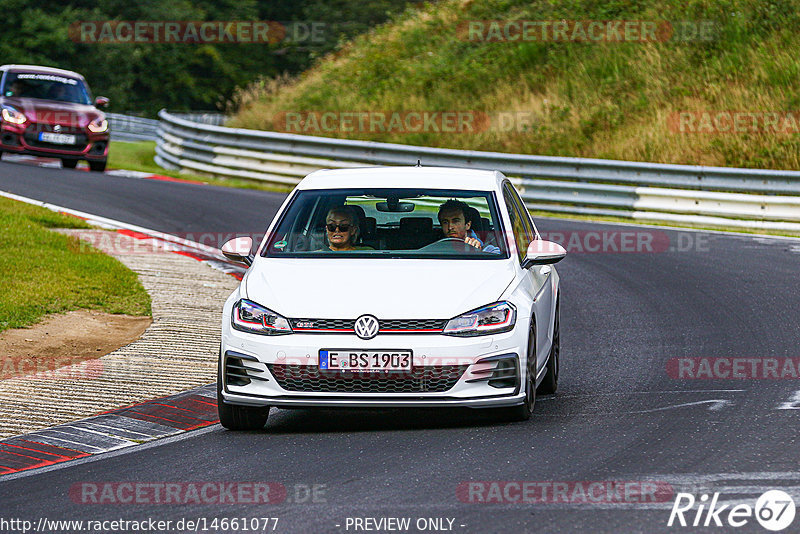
x=622, y=413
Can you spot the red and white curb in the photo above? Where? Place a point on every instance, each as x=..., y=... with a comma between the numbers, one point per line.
x=110, y=431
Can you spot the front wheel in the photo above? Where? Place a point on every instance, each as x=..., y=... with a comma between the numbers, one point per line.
x=234, y=417
x=97, y=166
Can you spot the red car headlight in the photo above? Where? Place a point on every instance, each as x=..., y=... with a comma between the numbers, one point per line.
x=13, y=116
x=98, y=126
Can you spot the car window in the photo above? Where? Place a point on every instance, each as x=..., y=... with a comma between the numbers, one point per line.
x=46, y=87
x=390, y=223
x=527, y=220
x=518, y=223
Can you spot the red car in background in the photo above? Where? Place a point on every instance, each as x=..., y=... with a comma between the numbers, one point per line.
x=49, y=112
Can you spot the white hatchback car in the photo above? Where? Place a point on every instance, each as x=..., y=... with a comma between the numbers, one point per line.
x=392, y=287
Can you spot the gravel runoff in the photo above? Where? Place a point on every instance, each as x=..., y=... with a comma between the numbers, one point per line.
x=177, y=352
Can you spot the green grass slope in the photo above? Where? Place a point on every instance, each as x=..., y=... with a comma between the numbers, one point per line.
x=588, y=99
x=44, y=272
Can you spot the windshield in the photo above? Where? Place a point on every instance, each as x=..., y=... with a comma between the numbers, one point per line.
x=46, y=87
x=395, y=223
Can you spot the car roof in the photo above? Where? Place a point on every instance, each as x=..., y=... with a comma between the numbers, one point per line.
x=404, y=177
x=41, y=70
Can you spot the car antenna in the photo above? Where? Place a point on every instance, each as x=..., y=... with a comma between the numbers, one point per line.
x=419, y=163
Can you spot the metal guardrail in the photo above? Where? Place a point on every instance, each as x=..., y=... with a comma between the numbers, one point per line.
x=132, y=128
x=689, y=194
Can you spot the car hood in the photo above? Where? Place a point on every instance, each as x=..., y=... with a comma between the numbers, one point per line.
x=387, y=289
x=52, y=112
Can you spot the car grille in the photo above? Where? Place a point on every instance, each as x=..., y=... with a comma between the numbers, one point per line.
x=323, y=324
x=345, y=326
x=309, y=379
x=413, y=324
x=32, y=137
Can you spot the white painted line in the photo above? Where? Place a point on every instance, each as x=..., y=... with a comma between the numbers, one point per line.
x=124, y=442
x=129, y=174
x=716, y=405
x=110, y=430
x=793, y=404
x=756, y=475
x=73, y=445
x=625, y=393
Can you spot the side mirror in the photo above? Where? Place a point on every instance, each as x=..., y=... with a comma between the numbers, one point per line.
x=238, y=250
x=541, y=252
x=101, y=102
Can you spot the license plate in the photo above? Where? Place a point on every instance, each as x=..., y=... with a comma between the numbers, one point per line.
x=365, y=360
x=57, y=138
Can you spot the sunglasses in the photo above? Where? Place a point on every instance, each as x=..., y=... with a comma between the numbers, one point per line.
x=341, y=227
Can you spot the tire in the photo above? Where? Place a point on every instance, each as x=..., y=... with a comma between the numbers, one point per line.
x=235, y=417
x=549, y=384
x=522, y=412
x=97, y=166
x=69, y=163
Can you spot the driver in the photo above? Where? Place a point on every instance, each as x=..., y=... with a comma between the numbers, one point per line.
x=341, y=226
x=16, y=88
x=453, y=218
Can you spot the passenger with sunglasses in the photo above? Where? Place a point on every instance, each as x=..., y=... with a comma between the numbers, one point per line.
x=341, y=227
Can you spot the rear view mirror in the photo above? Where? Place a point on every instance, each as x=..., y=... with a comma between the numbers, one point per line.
x=541, y=252
x=101, y=102
x=238, y=250
x=395, y=206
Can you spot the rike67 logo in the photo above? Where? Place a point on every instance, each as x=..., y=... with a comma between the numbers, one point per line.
x=774, y=510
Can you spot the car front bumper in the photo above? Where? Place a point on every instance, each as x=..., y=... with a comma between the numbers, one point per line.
x=18, y=139
x=477, y=356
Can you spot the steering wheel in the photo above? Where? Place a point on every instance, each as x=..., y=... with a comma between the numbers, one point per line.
x=454, y=242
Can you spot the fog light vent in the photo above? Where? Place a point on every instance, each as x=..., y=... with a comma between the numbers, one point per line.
x=503, y=374
x=9, y=139
x=237, y=373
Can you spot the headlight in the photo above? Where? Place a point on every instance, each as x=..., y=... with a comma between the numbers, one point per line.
x=492, y=319
x=13, y=116
x=250, y=317
x=98, y=126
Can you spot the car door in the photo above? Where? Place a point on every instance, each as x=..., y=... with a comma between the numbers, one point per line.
x=538, y=277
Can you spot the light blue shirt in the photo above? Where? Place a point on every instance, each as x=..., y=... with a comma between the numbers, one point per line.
x=488, y=248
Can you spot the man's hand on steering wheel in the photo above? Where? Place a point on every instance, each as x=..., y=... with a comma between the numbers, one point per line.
x=472, y=241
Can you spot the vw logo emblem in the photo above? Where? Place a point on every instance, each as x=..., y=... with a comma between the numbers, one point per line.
x=366, y=327
x=57, y=128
